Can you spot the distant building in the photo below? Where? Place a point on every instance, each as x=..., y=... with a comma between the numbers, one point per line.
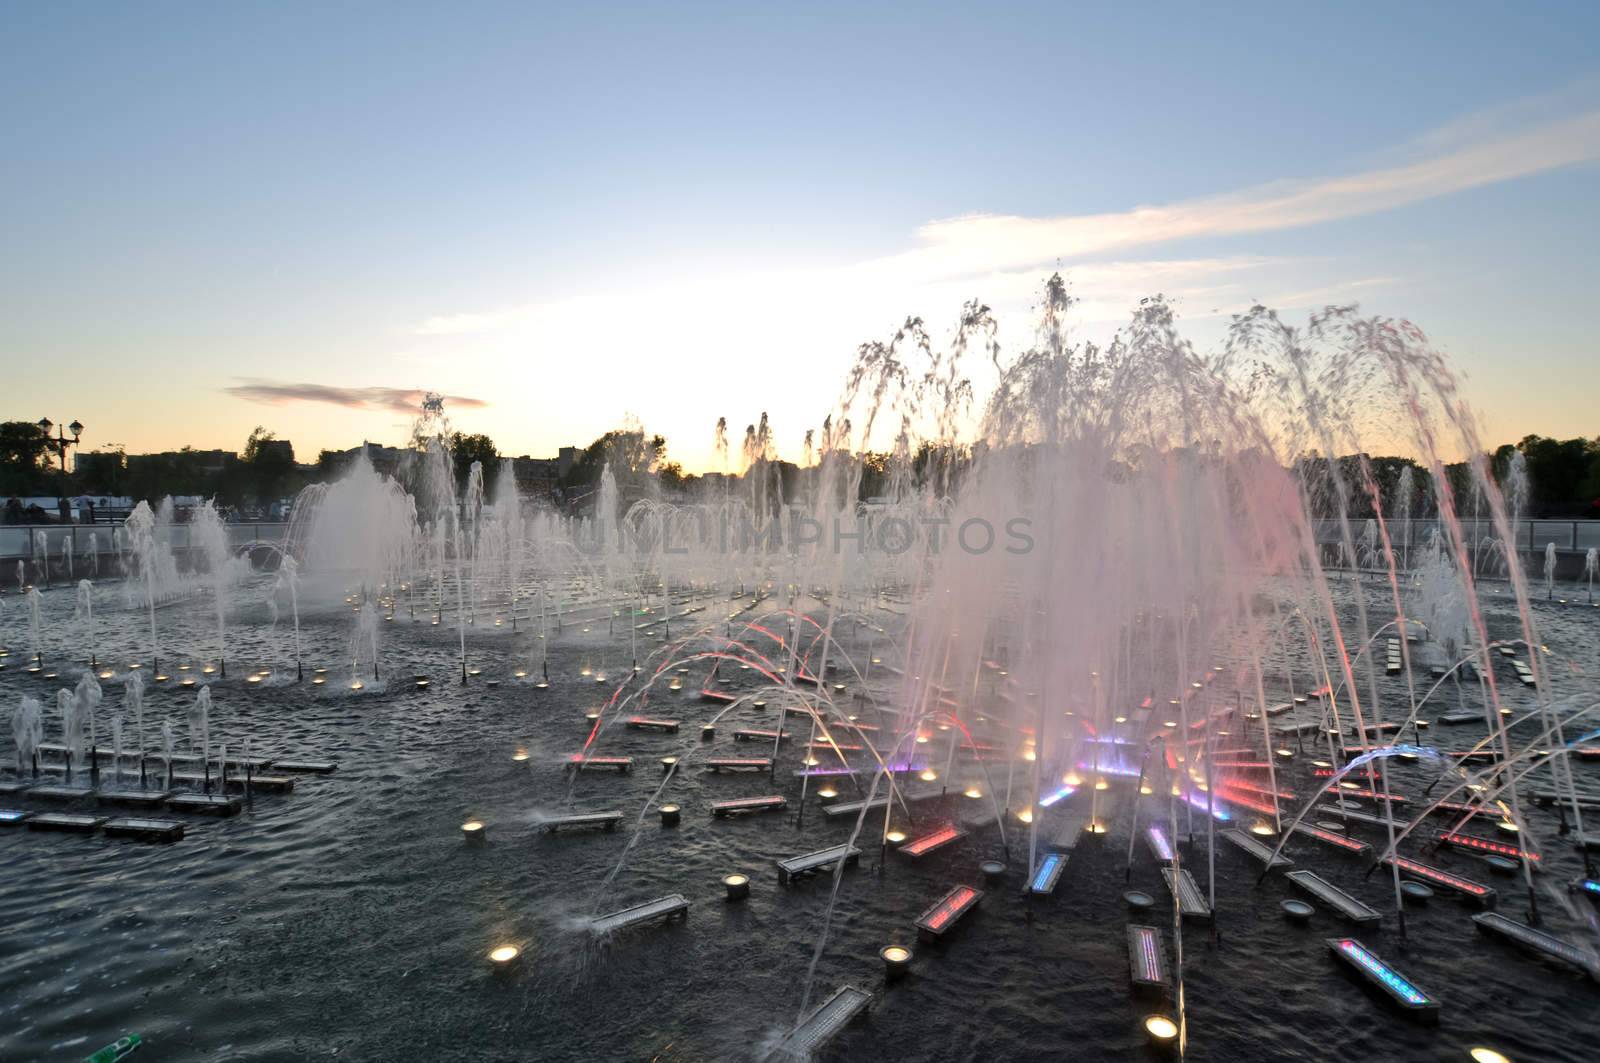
x=205, y=462
x=385, y=460
x=537, y=478
x=565, y=458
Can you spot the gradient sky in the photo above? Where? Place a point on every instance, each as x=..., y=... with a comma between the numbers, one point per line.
x=572, y=213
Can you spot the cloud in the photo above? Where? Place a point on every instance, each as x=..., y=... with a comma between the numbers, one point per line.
x=975, y=252
x=401, y=400
x=960, y=246
x=459, y=324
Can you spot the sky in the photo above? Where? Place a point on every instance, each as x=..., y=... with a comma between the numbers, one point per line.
x=214, y=216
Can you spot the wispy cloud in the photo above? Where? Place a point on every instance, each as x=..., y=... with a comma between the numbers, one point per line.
x=993, y=253
x=400, y=400
x=457, y=324
x=960, y=246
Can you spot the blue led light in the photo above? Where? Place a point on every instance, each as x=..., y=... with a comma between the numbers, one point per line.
x=11, y=814
x=1406, y=991
x=1060, y=795
x=1591, y=885
x=1046, y=867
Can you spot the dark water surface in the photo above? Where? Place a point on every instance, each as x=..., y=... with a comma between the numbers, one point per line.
x=349, y=920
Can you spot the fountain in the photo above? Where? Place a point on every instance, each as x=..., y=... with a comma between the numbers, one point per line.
x=85, y=613
x=1127, y=617
x=207, y=526
x=27, y=733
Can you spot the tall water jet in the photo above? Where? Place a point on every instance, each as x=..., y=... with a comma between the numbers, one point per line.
x=199, y=719
x=86, y=701
x=168, y=748
x=472, y=519
x=141, y=526
x=1405, y=491
x=27, y=732
x=366, y=636
x=36, y=627
x=208, y=528
x=289, y=579
x=360, y=530
x=71, y=728
x=116, y=748
x=133, y=702
x=1549, y=571
x=85, y=611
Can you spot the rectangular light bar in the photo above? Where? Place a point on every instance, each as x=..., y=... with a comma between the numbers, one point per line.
x=660, y=908
x=1050, y=799
x=582, y=763
x=1433, y=876
x=738, y=763
x=1368, y=795
x=1048, y=873
x=1538, y=941
x=1244, y=801
x=1253, y=788
x=1447, y=808
x=929, y=842
x=645, y=723
x=1475, y=844
x=1146, y=958
x=1256, y=848
x=774, y=803
x=822, y=1025
x=1357, y=773
x=1357, y=911
x=1338, y=841
x=1191, y=902
x=1241, y=765
x=1399, y=989
x=1066, y=839
x=755, y=734
x=796, y=866
x=853, y=808
x=948, y=910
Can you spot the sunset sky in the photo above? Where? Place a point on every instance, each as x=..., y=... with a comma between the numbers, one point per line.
x=221, y=215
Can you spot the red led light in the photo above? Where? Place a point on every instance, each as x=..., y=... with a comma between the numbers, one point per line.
x=1331, y=838
x=1370, y=795
x=930, y=841
x=949, y=908
x=1444, y=878
x=1249, y=802
x=1484, y=845
x=1252, y=788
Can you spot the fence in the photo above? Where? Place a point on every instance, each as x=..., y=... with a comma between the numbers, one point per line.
x=19, y=542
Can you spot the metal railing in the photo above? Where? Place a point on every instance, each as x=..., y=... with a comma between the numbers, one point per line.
x=19, y=542
x=1567, y=535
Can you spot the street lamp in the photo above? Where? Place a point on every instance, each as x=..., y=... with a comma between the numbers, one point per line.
x=61, y=443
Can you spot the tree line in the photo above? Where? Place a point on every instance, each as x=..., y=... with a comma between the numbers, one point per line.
x=1562, y=476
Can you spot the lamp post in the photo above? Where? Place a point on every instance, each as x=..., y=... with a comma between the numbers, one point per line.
x=61, y=443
